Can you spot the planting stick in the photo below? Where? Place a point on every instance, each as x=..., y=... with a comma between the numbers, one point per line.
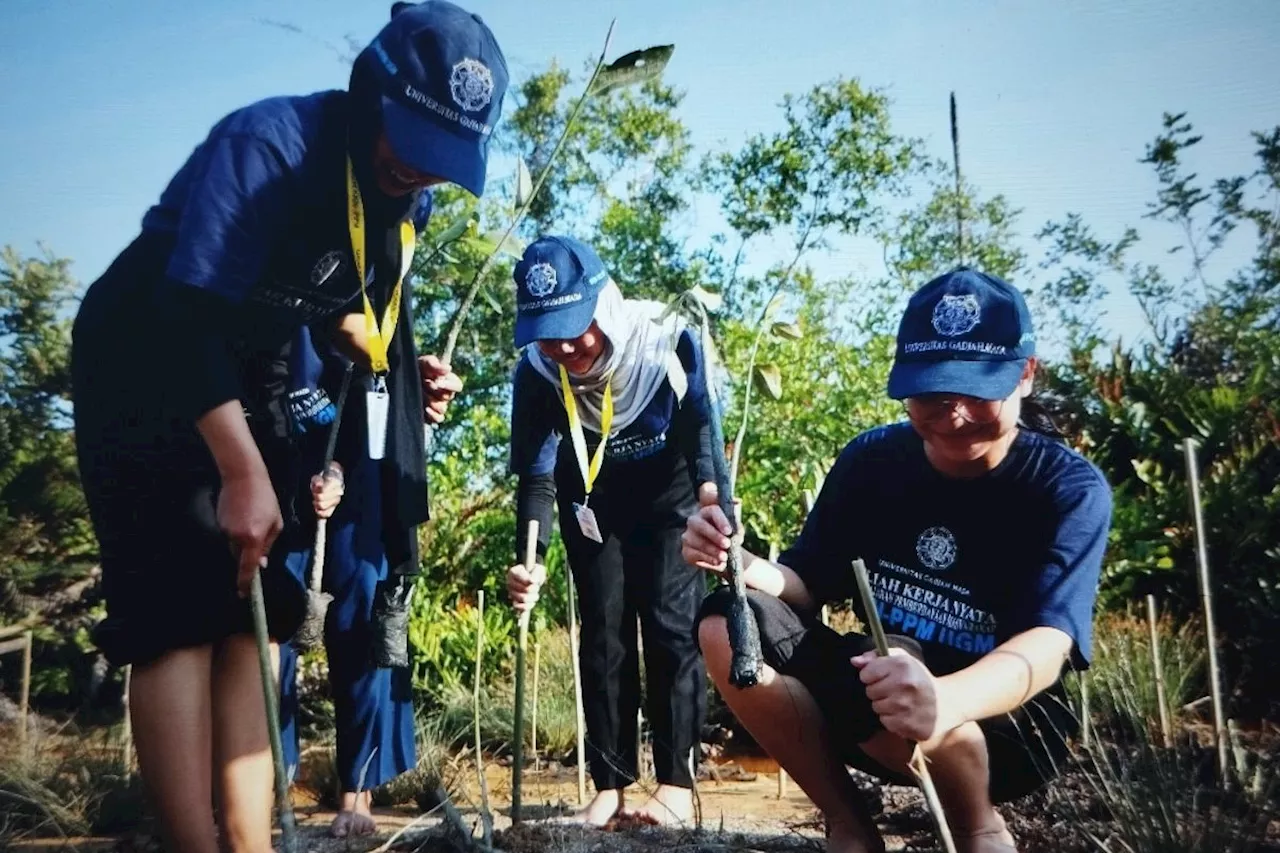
x=127, y=739
x=918, y=766
x=1086, y=722
x=24, y=698
x=522, y=646
x=486, y=817
x=579, y=717
x=311, y=633
x=533, y=727
x=744, y=634
x=1159, y=671
x=288, y=828
x=1206, y=598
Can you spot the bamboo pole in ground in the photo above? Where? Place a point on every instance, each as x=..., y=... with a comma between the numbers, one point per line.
x=522, y=650
x=15, y=638
x=533, y=732
x=783, y=778
x=917, y=765
x=1086, y=722
x=127, y=745
x=1152, y=622
x=24, y=699
x=271, y=698
x=1206, y=599
x=486, y=817
x=580, y=715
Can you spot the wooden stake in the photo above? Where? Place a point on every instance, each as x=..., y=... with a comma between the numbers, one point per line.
x=917, y=765
x=486, y=817
x=580, y=719
x=24, y=699
x=1159, y=672
x=1206, y=598
x=522, y=648
x=537, y=666
x=270, y=693
x=127, y=745
x=1086, y=722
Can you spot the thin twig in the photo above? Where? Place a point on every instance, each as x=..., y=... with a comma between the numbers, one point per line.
x=955, y=155
x=455, y=325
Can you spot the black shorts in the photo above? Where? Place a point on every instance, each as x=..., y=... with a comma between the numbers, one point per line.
x=168, y=574
x=1025, y=748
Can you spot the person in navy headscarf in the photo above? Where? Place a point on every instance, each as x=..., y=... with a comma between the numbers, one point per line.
x=373, y=711
x=295, y=211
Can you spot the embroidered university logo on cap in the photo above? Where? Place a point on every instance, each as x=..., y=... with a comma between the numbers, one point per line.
x=471, y=84
x=936, y=548
x=540, y=280
x=956, y=314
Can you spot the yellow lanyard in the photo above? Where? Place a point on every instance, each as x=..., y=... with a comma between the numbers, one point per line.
x=379, y=336
x=589, y=472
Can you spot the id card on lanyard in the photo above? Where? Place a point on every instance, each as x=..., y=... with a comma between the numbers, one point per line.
x=590, y=470
x=378, y=401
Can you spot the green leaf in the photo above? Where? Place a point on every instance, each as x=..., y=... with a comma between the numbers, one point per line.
x=774, y=304
x=633, y=68
x=524, y=184
x=456, y=229
x=769, y=380
x=487, y=244
x=491, y=300
x=788, y=331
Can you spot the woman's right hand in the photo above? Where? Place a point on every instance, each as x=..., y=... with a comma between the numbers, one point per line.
x=705, y=542
x=523, y=585
x=249, y=513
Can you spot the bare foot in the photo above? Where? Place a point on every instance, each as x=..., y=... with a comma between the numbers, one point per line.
x=669, y=805
x=842, y=838
x=993, y=838
x=354, y=819
x=603, y=808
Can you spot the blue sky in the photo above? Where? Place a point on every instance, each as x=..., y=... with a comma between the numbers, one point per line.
x=103, y=101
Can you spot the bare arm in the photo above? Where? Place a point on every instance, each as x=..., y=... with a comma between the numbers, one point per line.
x=913, y=703
x=1007, y=676
x=351, y=336
x=248, y=511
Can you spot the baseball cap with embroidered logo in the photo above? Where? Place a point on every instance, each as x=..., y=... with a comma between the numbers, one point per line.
x=965, y=332
x=443, y=78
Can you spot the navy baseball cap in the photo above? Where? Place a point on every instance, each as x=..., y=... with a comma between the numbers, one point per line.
x=443, y=79
x=558, y=281
x=965, y=332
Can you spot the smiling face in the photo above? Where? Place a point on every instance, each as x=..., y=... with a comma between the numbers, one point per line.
x=394, y=178
x=966, y=436
x=576, y=354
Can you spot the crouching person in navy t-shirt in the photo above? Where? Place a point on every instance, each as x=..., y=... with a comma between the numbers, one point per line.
x=983, y=535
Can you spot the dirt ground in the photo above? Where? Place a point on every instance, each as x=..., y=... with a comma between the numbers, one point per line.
x=743, y=810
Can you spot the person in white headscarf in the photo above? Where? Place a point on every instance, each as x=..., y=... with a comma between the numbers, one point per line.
x=628, y=389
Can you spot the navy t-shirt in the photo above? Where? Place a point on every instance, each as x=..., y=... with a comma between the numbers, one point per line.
x=259, y=210
x=539, y=422
x=961, y=565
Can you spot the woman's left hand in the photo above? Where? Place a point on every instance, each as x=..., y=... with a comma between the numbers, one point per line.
x=439, y=385
x=905, y=696
x=327, y=490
